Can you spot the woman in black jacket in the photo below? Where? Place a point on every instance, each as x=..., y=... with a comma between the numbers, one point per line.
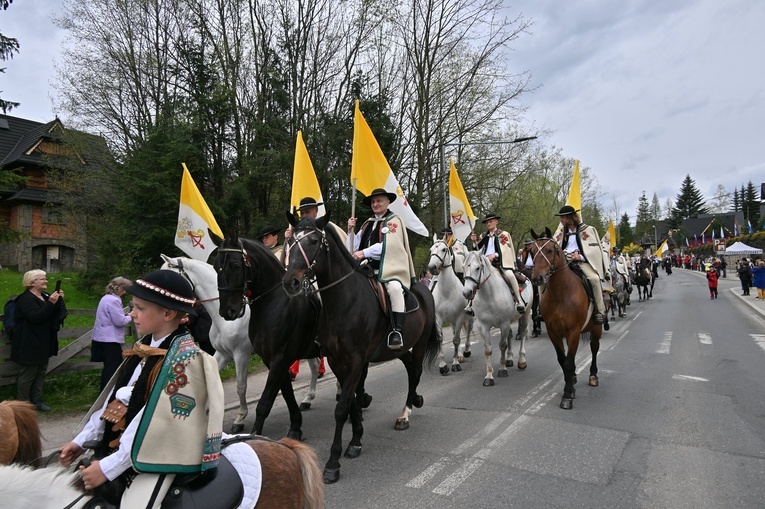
x=35, y=337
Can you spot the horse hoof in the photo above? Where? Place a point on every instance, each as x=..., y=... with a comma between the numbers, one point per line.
x=444, y=370
x=353, y=451
x=366, y=400
x=418, y=401
x=295, y=435
x=593, y=381
x=237, y=428
x=566, y=403
x=502, y=373
x=522, y=365
x=305, y=406
x=468, y=353
x=401, y=424
x=606, y=326
x=456, y=367
x=331, y=475
x=488, y=382
x=573, y=381
x=508, y=364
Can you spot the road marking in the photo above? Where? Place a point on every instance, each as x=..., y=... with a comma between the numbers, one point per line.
x=688, y=377
x=452, y=482
x=617, y=341
x=638, y=314
x=429, y=473
x=759, y=339
x=664, y=346
x=705, y=338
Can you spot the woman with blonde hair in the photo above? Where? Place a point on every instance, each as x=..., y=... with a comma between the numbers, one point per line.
x=35, y=337
x=109, y=329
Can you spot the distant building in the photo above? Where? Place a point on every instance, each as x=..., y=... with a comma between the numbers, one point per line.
x=51, y=239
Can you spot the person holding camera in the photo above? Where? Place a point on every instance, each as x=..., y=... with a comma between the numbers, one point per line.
x=38, y=319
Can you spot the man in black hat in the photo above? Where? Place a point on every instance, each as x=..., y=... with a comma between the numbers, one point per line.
x=581, y=243
x=622, y=267
x=458, y=249
x=162, y=412
x=269, y=236
x=497, y=245
x=382, y=240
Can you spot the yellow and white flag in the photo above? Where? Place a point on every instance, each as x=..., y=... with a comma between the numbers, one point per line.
x=608, y=241
x=661, y=249
x=304, y=181
x=461, y=215
x=194, y=218
x=370, y=170
x=574, y=197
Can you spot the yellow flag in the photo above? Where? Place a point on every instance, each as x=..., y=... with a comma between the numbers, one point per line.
x=575, y=191
x=194, y=218
x=370, y=170
x=661, y=249
x=304, y=181
x=461, y=214
x=612, y=233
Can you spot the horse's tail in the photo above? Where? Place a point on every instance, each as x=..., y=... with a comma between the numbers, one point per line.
x=29, y=448
x=434, y=347
x=313, y=481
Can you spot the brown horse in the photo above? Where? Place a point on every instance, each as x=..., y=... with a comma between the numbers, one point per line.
x=19, y=434
x=291, y=476
x=565, y=307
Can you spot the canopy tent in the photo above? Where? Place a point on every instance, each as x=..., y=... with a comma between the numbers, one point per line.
x=739, y=248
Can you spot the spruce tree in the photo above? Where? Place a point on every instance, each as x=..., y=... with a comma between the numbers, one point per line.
x=689, y=202
x=644, y=222
x=752, y=205
x=624, y=231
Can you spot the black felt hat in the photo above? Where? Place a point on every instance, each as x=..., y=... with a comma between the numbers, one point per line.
x=379, y=192
x=615, y=249
x=491, y=216
x=166, y=288
x=308, y=202
x=268, y=230
x=566, y=210
x=447, y=230
x=527, y=242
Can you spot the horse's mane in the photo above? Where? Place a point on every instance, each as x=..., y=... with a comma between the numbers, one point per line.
x=309, y=222
x=24, y=416
x=44, y=487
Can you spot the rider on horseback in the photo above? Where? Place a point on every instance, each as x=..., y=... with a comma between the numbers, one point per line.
x=621, y=266
x=581, y=243
x=458, y=248
x=497, y=245
x=382, y=240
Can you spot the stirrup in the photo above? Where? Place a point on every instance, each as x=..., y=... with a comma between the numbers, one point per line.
x=395, y=340
x=599, y=318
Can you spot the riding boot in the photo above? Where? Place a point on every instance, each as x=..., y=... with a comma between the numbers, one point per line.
x=396, y=338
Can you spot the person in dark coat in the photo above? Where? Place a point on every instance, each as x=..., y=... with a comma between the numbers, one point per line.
x=35, y=338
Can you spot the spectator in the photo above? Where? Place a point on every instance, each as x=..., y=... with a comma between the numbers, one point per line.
x=109, y=329
x=723, y=267
x=758, y=275
x=745, y=275
x=426, y=278
x=712, y=282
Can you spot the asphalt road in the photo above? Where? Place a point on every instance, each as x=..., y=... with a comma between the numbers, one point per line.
x=677, y=421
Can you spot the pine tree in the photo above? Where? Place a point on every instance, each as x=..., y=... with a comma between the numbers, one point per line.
x=689, y=202
x=624, y=231
x=655, y=208
x=644, y=222
x=751, y=205
x=736, y=201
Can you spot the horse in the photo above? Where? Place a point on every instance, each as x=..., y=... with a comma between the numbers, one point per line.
x=281, y=329
x=354, y=326
x=494, y=306
x=291, y=478
x=229, y=338
x=619, y=295
x=20, y=441
x=567, y=310
x=450, y=304
x=644, y=280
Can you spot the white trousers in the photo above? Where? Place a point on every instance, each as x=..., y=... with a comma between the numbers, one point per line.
x=396, y=294
x=139, y=493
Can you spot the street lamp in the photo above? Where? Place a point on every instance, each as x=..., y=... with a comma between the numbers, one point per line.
x=444, y=174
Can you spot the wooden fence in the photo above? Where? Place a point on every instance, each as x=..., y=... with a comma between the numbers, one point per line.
x=71, y=358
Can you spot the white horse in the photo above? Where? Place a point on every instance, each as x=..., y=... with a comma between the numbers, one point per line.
x=230, y=339
x=45, y=488
x=450, y=304
x=494, y=306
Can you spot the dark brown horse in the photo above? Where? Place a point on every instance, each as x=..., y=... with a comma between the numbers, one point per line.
x=19, y=434
x=354, y=328
x=565, y=307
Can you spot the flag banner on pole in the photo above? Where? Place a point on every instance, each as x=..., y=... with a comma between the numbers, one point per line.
x=713, y=234
x=304, y=181
x=735, y=229
x=722, y=233
x=686, y=242
x=461, y=214
x=612, y=233
x=371, y=170
x=703, y=237
x=695, y=239
x=194, y=218
x=574, y=198
x=661, y=249
x=749, y=224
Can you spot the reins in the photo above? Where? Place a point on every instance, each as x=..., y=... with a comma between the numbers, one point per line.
x=553, y=270
x=247, y=280
x=309, y=277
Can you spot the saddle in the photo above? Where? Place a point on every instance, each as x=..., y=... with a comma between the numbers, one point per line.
x=410, y=301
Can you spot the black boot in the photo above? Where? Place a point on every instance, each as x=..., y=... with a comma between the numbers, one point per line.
x=396, y=338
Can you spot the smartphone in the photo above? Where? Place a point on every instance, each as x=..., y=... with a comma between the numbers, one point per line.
x=58, y=285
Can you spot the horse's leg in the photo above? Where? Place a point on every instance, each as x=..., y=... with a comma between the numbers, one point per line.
x=569, y=372
x=412, y=398
x=505, y=351
x=296, y=417
x=349, y=379
x=523, y=329
x=242, y=364
x=267, y=398
x=362, y=398
x=468, y=329
x=456, y=330
x=313, y=364
x=594, y=347
x=488, y=381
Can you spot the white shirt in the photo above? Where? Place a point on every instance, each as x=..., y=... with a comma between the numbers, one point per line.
x=119, y=461
x=490, y=249
x=373, y=252
x=571, y=245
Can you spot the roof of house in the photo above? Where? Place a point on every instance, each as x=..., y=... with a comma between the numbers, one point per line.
x=19, y=136
x=730, y=220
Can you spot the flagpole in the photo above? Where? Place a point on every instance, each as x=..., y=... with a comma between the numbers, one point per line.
x=351, y=232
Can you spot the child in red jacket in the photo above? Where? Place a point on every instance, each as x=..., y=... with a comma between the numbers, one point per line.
x=712, y=280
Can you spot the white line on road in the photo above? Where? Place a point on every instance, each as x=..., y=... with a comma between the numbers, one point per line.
x=705, y=338
x=453, y=481
x=638, y=314
x=664, y=346
x=688, y=377
x=429, y=473
x=759, y=339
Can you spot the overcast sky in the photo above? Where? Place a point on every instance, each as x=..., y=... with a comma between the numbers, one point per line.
x=643, y=92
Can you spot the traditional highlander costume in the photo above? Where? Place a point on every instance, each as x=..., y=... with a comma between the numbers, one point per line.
x=582, y=244
x=162, y=412
x=500, y=242
x=276, y=249
x=459, y=251
x=385, y=243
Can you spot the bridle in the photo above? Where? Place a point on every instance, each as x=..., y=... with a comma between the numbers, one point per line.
x=186, y=276
x=442, y=259
x=478, y=282
x=244, y=291
x=310, y=276
x=552, y=270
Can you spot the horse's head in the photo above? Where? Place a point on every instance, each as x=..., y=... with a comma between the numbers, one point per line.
x=232, y=265
x=440, y=257
x=477, y=270
x=309, y=247
x=547, y=256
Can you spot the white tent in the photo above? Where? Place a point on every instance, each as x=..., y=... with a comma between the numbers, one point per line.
x=739, y=248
